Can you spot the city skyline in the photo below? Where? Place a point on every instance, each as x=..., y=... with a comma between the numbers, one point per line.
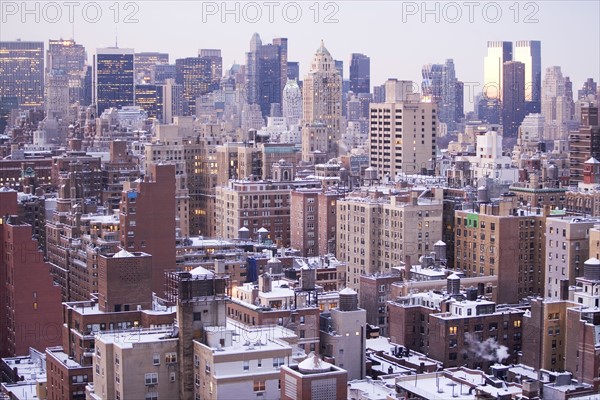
x=436, y=40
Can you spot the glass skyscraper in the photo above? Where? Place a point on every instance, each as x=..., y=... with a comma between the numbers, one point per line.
x=266, y=72
x=114, y=80
x=498, y=53
x=529, y=52
x=360, y=73
x=22, y=73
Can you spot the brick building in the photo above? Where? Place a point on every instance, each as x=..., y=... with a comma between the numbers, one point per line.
x=30, y=309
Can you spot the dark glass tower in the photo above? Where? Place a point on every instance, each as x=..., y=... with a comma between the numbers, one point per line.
x=360, y=73
x=22, y=73
x=114, y=80
x=195, y=74
x=513, y=97
x=150, y=98
x=266, y=72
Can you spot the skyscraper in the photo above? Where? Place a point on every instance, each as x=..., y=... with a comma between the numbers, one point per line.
x=293, y=70
x=441, y=87
x=360, y=73
x=195, y=74
x=431, y=86
x=498, y=53
x=557, y=106
x=65, y=75
x=292, y=102
x=114, y=78
x=216, y=65
x=529, y=52
x=513, y=104
x=144, y=63
x=150, y=99
x=322, y=104
x=266, y=72
x=22, y=72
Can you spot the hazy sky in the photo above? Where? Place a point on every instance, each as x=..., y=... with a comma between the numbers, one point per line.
x=399, y=36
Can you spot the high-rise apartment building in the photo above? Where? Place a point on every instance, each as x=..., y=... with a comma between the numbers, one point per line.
x=360, y=73
x=497, y=54
x=22, y=73
x=585, y=143
x=402, y=132
x=292, y=103
x=513, y=97
x=30, y=305
x=529, y=52
x=145, y=206
x=376, y=232
x=501, y=240
x=322, y=104
x=114, y=78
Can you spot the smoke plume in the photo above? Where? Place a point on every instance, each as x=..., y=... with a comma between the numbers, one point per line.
x=489, y=349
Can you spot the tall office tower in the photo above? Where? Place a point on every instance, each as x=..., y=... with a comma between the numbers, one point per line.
x=161, y=72
x=293, y=68
x=172, y=100
x=489, y=110
x=529, y=52
x=556, y=105
x=22, y=73
x=360, y=73
x=114, y=78
x=447, y=108
x=585, y=143
x=195, y=74
x=339, y=65
x=322, y=103
x=513, y=103
x=441, y=87
x=498, y=53
x=569, y=98
x=216, y=65
x=144, y=207
x=266, y=72
x=431, y=86
x=144, y=63
x=379, y=94
x=459, y=111
x=65, y=61
x=150, y=99
x=402, y=132
x=292, y=102
x=590, y=88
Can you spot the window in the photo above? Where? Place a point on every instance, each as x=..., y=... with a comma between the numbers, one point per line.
x=152, y=396
x=259, y=386
x=151, y=378
x=246, y=365
x=172, y=376
x=156, y=359
x=278, y=361
x=517, y=323
x=452, y=330
x=171, y=358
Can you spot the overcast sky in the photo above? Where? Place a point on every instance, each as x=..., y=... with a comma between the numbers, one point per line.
x=399, y=36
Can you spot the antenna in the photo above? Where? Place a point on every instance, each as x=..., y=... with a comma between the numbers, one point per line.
x=116, y=36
